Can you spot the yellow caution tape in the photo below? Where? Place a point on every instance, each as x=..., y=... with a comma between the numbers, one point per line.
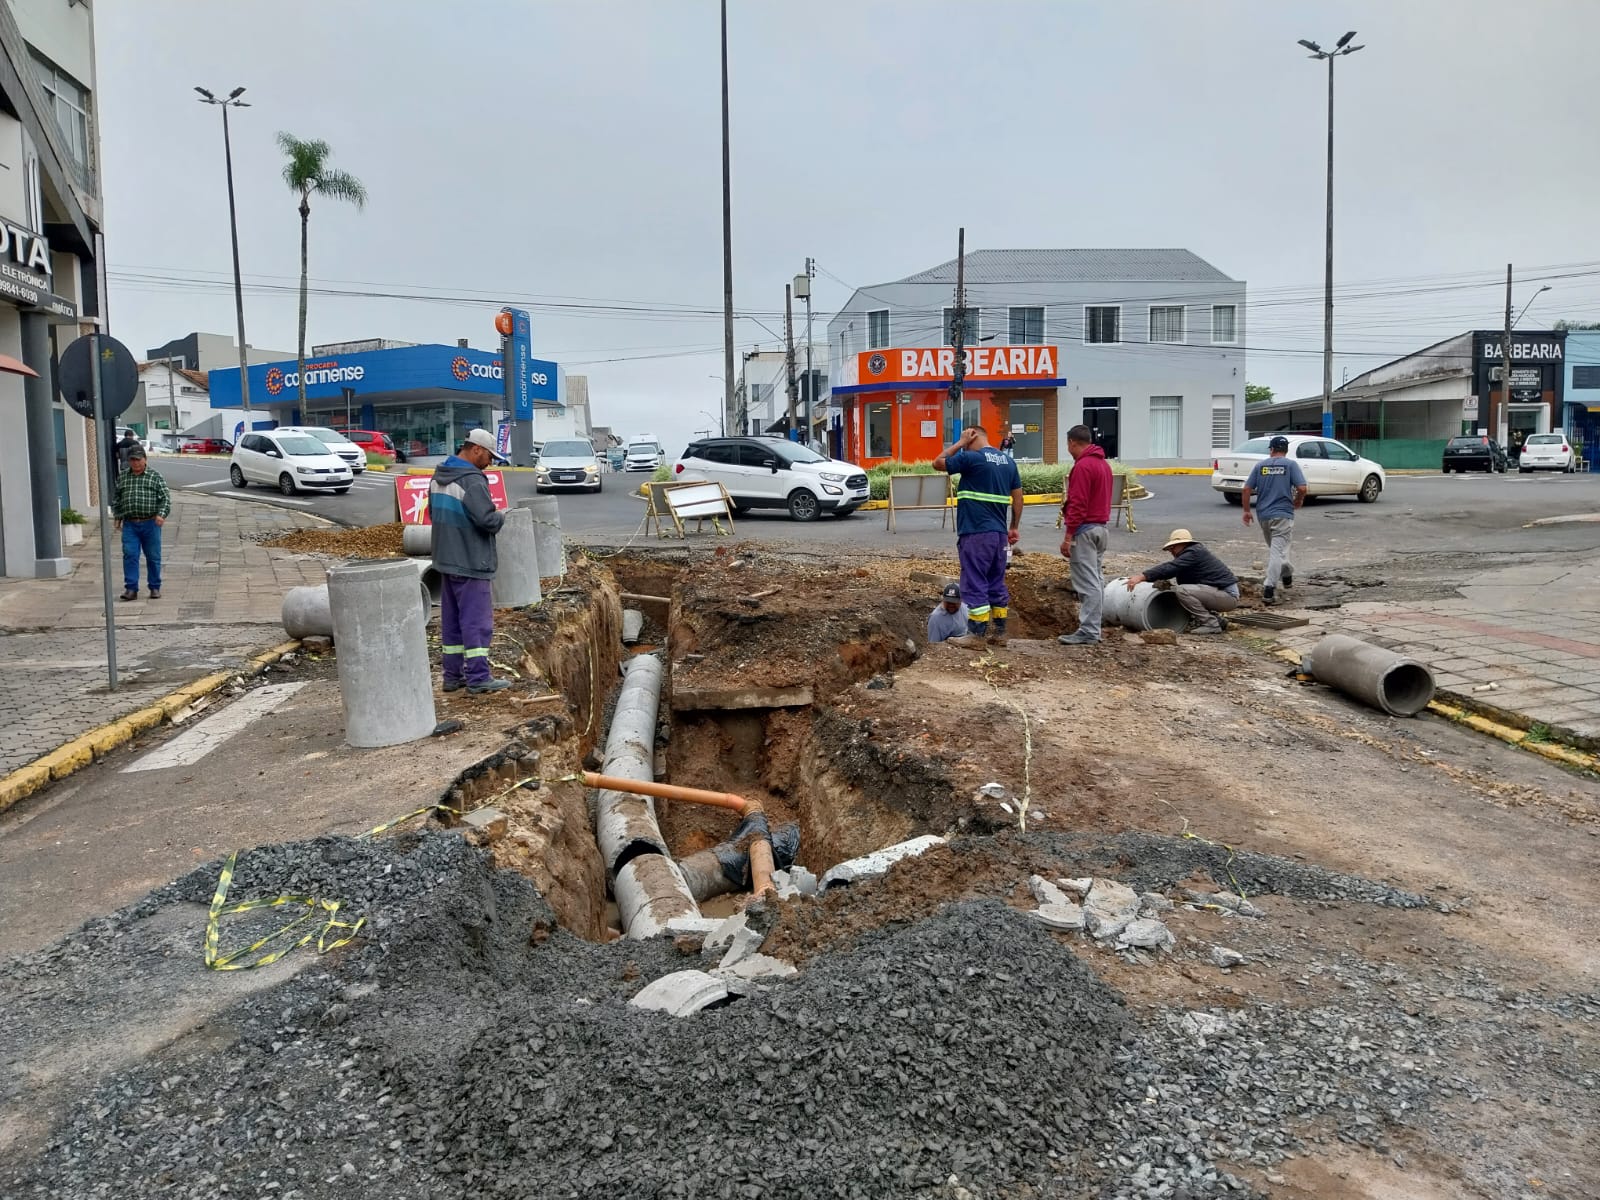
x=233, y=960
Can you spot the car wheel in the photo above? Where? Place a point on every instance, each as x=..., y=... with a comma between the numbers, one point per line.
x=1370, y=487
x=340, y=491
x=1523, y=470
x=740, y=509
x=237, y=476
x=1233, y=498
x=286, y=484
x=599, y=486
x=803, y=505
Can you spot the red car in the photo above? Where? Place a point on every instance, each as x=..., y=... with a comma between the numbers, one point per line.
x=206, y=446
x=374, y=442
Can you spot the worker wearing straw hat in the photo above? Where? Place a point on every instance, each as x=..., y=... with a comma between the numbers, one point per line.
x=1202, y=582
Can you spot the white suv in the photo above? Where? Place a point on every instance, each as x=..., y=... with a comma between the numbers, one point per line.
x=289, y=462
x=763, y=472
x=354, y=455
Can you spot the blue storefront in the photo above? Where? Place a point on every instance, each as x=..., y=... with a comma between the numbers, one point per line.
x=1582, y=397
x=426, y=398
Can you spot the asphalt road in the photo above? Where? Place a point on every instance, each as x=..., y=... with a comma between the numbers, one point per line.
x=1417, y=514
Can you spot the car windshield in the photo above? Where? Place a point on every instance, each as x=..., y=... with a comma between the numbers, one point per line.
x=794, y=452
x=1466, y=441
x=643, y=448
x=331, y=436
x=302, y=445
x=573, y=449
x=1546, y=439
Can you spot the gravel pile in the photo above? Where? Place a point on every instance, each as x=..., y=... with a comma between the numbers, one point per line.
x=369, y=541
x=464, y=1047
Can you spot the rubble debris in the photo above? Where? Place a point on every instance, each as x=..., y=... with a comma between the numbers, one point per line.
x=759, y=966
x=1066, y=916
x=1146, y=933
x=681, y=994
x=1109, y=906
x=372, y=541
x=795, y=879
x=1151, y=903
x=876, y=863
x=1225, y=958
x=1045, y=892
x=1078, y=887
x=1158, y=637
x=1226, y=901
x=484, y=825
x=880, y=683
x=722, y=936
x=1203, y=1025
x=743, y=943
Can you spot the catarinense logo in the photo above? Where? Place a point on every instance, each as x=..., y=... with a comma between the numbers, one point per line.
x=274, y=380
x=460, y=368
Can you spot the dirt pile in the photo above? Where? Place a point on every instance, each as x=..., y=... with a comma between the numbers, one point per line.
x=370, y=541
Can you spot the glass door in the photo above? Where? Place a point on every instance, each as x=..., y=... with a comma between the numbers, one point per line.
x=1102, y=415
x=1027, y=426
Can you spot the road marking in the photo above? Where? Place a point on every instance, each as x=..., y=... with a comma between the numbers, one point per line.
x=194, y=744
x=210, y=483
x=240, y=495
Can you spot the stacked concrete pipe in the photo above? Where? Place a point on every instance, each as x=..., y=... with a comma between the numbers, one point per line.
x=1400, y=686
x=1146, y=607
x=547, y=534
x=308, y=613
x=516, y=580
x=385, y=680
x=649, y=888
x=417, y=540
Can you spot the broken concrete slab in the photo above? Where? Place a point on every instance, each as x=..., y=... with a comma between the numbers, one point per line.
x=1113, y=899
x=703, y=926
x=1045, y=892
x=722, y=935
x=632, y=626
x=1065, y=917
x=744, y=943
x=870, y=865
x=484, y=825
x=702, y=699
x=1226, y=901
x=1078, y=887
x=760, y=966
x=1146, y=933
x=1153, y=903
x=798, y=878
x=1102, y=925
x=681, y=994
x=1225, y=958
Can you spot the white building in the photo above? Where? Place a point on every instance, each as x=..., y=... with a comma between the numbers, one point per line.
x=762, y=390
x=51, y=213
x=218, y=351
x=1146, y=347
x=173, y=402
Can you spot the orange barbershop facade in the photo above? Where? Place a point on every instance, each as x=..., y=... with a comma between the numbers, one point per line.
x=896, y=402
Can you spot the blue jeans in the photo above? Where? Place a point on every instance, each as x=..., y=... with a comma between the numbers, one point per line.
x=141, y=536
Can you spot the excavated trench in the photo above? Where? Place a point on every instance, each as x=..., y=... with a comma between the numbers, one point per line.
x=751, y=704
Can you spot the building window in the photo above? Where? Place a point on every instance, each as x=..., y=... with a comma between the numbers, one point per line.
x=1166, y=426
x=970, y=331
x=70, y=102
x=1166, y=323
x=878, y=329
x=1102, y=323
x=1586, y=377
x=1222, y=422
x=1027, y=326
x=1224, y=324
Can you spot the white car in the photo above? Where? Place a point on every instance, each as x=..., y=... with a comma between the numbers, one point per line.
x=761, y=472
x=1331, y=468
x=353, y=454
x=289, y=462
x=642, y=456
x=1545, y=452
x=567, y=463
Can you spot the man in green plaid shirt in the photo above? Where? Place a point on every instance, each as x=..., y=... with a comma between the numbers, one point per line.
x=141, y=508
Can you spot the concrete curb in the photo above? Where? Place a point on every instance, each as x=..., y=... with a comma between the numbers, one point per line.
x=83, y=750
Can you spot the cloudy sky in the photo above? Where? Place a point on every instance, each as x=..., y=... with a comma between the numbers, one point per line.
x=564, y=155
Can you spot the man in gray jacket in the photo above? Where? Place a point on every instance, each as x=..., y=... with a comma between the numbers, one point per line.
x=465, y=522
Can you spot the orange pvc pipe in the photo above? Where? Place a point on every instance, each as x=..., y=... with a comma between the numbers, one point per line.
x=761, y=864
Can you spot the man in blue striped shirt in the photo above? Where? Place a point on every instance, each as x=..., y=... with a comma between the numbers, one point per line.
x=989, y=483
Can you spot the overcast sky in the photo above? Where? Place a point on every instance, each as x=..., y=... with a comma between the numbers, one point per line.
x=564, y=154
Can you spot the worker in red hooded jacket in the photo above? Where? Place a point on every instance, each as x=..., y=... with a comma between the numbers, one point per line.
x=1085, y=514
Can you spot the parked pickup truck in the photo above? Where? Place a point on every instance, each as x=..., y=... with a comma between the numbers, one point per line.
x=1330, y=468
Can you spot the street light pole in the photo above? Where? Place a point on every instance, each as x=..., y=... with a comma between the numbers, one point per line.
x=1341, y=47
x=1529, y=305
x=727, y=242
x=233, y=101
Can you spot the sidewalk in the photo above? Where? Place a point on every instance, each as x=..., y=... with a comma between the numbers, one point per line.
x=1531, y=630
x=220, y=603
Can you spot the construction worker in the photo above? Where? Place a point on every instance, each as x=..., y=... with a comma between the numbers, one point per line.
x=1201, y=581
x=949, y=618
x=989, y=480
x=1086, y=512
x=1281, y=486
x=465, y=522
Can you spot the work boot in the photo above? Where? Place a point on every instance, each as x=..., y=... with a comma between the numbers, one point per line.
x=1288, y=577
x=494, y=685
x=155, y=593
x=1080, y=638
x=130, y=594
x=975, y=638
x=453, y=685
x=1204, y=627
x=997, y=631
x=1269, y=595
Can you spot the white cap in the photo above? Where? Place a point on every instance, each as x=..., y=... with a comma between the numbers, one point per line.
x=481, y=437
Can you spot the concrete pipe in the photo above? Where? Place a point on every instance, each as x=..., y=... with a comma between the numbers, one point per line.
x=632, y=626
x=651, y=891
x=432, y=581
x=385, y=681
x=547, y=534
x=417, y=539
x=516, y=581
x=1146, y=607
x=625, y=822
x=1392, y=682
x=306, y=613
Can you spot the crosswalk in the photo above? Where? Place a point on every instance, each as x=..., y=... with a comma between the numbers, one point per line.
x=193, y=744
x=224, y=487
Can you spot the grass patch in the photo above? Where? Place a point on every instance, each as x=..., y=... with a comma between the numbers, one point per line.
x=1538, y=733
x=663, y=475
x=1038, y=479
x=378, y=459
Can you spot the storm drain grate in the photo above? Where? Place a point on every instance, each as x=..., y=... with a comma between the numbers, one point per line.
x=1266, y=620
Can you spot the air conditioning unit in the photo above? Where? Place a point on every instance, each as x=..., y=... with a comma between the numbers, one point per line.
x=1496, y=374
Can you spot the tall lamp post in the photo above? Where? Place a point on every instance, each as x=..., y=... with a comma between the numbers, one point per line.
x=232, y=101
x=1340, y=48
x=1529, y=305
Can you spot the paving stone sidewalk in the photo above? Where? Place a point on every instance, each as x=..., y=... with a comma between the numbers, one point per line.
x=220, y=603
x=1525, y=639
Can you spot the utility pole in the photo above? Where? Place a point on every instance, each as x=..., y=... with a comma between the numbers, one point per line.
x=1341, y=48
x=788, y=362
x=958, y=331
x=730, y=414
x=802, y=286
x=1503, y=409
x=172, y=398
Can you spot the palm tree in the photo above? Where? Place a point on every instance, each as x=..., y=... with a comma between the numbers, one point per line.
x=307, y=173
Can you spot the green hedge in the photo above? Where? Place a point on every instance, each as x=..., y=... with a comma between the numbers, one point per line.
x=1038, y=479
